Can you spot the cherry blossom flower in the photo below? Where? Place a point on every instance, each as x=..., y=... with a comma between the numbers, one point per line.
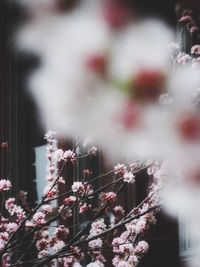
x=119, y=210
x=43, y=253
x=120, y=169
x=93, y=150
x=11, y=227
x=97, y=227
x=5, y=185
x=183, y=58
x=47, y=208
x=61, y=232
x=185, y=19
x=43, y=244
x=58, y=245
x=77, y=187
x=194, y=29
x=96, y=243
x=61, y=180
x=39, y=218
x=142, y=247
x=133, y=260
x=110, y=196
x=58, y=155
x=129, y=177
x=69, y=154
x=195, y=49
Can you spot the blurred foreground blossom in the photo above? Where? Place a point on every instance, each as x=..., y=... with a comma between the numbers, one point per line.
x=98, y=81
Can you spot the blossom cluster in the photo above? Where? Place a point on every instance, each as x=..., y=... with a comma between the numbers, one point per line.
x=55, y=241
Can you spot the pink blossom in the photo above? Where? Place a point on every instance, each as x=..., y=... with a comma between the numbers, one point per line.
x=125, y=235
x=10, y=202
x=4, y=236
x=99, y=224
x=58, y=155
x=126, y=248
x=185, y=19
x=47, y=208
x=116, y=260
x=152, y=169
x=183, y=58
x=140, y=225
x=61, y=232
x=86, y=172
x=194, y=29
x=130, y=228
x=6, y=260
x=96, y=243
x=142, y=247
x=116, y=243
x=118, y=210
x=52, y=193
x=92, y=150
x=61, y=180
x=133, y=260
x=110, y=197
x=129, y=177
x=5, y=185
x=42, y=244
x=11, y=227
x=58, y=246
x=39, y=218
x=88, y=189
x=69, y=200
x=2, y=244
x=69, y=154
x=133, y=166
x=195, y=49
x=29, y=224
x=12, y=208
x=97, y=227
x=49, y=178
x=65, y=214
x=43, y=253
x=151, y=218
x=77, y=187
x=144, y=207
x=120, y=169
x=83, y=208
x=68, y=261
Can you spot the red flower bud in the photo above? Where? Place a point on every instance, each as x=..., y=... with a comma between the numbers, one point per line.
x=115, y=14
x=97, y=63
x=189, y=127
x=148, y=85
